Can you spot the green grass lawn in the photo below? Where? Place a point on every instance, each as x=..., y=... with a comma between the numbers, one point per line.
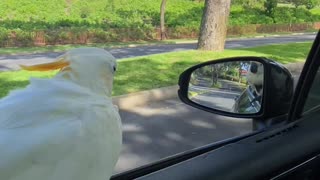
x=154, y=71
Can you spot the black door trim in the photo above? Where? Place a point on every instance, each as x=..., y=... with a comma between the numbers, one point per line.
x=305, y=81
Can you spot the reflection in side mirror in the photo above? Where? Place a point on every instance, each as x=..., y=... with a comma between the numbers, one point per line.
x=235, y=86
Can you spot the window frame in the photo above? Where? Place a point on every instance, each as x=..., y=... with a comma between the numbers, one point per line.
x=305, y=82
x=303, y=87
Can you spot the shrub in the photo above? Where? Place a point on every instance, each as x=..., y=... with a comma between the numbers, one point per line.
x=242, y=30
x=249, y=16
x=270, y=6
x=24, y=38
x=310, y=4
x=293, y=15
x=4, y=36
x=130, y=20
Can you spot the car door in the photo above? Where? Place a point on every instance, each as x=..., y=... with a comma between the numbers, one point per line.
x=287, y=150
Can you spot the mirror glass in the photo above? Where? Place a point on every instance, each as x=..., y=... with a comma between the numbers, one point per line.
x=235, y=86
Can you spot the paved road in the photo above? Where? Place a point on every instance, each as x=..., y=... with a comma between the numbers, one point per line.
x=168, y=127
x=164, y=128
x=10, y=62
x=230, y=44
x=219, y=98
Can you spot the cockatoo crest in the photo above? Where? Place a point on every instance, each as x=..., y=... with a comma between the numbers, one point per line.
x=92, y=68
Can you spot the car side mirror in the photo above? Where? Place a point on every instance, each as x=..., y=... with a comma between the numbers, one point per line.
x=245, y=87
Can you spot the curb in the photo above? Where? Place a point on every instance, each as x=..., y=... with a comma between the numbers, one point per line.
x=108, y=47
x=251, y=37
x=274, y=35
x=129, y=101
x=141, y=98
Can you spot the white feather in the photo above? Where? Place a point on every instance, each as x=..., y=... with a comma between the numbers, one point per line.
x=59, y=129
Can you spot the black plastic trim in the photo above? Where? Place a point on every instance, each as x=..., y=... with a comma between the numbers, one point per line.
x=305, y=81
x=175, y=159
x=247, y=159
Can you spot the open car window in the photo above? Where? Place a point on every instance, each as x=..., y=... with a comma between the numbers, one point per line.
x=307, y=96
x=313, y=99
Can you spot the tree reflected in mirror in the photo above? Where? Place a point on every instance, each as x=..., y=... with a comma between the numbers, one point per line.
x=229, y=86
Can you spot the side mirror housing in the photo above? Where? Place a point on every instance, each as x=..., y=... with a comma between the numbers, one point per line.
x=243, y=87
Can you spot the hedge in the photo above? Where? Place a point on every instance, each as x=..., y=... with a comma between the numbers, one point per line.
x=71, y=35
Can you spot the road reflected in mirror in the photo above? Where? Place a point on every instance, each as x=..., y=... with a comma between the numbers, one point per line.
x=235, y=86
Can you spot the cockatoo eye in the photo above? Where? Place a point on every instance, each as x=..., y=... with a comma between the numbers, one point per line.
x=114, y=69
x=254, y=68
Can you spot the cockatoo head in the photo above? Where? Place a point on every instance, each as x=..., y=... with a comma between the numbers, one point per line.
x=92, y=68
x=255, y=74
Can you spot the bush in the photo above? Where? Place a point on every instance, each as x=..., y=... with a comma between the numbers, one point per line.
x=270, y=6
x=4, y=36
x=183, y=32
x=249, y=16
x=293, y=15
x=133, y=13
x=310, y=4
x=242, y=30
x=129, y=20
x=247, y=4
x=23, y=38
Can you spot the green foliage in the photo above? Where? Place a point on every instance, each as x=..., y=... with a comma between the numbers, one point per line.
x=315, y=11
x=290, y=15
x=247, y=4
x=249, y=16
x=63, y=21
x=309, y=4
x=4, y=34
x=297, y=2
x=270, y=6
x=312, y=3
x=55, y=14
x=281, y=15
x=108, y=13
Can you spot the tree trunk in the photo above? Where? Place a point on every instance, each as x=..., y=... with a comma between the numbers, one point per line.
x=213, y=30
x=163, y=34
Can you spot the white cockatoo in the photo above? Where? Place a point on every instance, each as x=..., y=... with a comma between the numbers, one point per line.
x=64, y=128
x=255, y=76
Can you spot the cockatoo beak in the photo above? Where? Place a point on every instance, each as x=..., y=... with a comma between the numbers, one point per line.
x=61, y=63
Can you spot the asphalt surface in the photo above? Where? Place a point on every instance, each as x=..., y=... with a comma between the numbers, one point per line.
x=223, y=98
x=165, y=128
x=11, y=62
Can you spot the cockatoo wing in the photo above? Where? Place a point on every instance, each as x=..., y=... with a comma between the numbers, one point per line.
x=70, y=135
